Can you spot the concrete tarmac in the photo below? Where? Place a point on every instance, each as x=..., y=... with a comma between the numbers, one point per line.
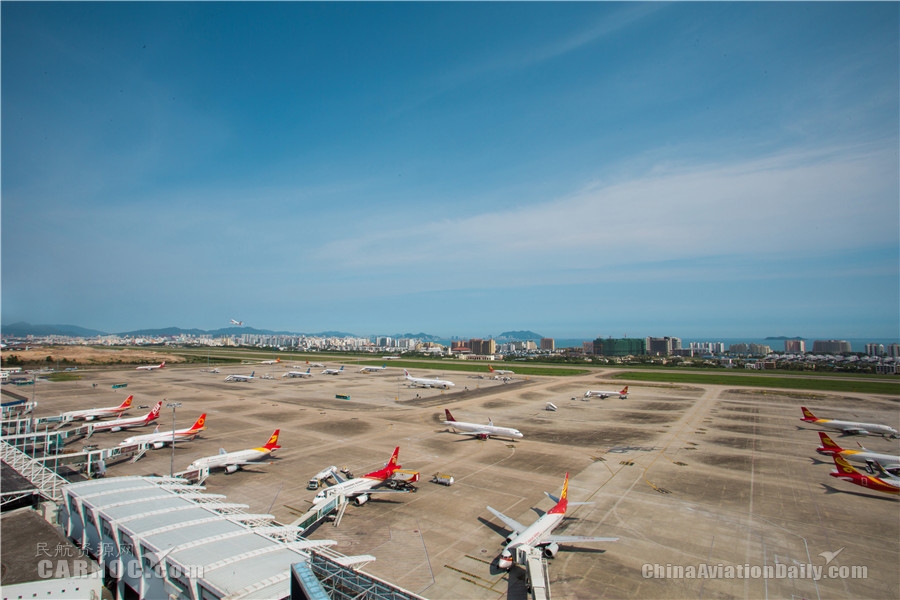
x=723, y=480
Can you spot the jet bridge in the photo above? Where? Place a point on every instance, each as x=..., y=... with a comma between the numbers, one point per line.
x=537, y=575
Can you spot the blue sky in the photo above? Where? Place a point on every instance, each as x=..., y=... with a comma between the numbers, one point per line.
x=577, y=169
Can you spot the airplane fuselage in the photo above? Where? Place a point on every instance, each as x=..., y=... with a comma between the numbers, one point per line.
x=230, y=458
x=861, y=456
x=851, y=427
x=484, y=430
x=351, y=487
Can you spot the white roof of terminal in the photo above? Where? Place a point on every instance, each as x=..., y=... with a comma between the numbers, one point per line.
x=238, y=558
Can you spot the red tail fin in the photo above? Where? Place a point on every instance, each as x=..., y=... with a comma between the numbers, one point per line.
x=392, y=464
x=624, y=390
x=807, y=414
x=154, y=414
x=200, y=424
x=449, y=416
x=162, y=364
x=563, y=503
x=491, y=367
x=272, y=444
x=828, y=444
x=127, y=402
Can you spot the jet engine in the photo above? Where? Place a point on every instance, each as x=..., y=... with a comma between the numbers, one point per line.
x=550, y=550
x=115, y=429
x=232, y=468
x=90, y=418
x=362, y=499
x=509, y=539
x=159, y=445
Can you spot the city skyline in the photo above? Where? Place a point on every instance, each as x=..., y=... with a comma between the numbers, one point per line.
x=725, y=169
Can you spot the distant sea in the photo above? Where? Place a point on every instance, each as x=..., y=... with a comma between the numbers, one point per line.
x=857, y=344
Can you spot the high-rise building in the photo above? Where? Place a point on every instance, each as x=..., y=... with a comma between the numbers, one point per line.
x=620, y=347
x=548, y=344
x=875, y=349
x=832, y=347
x=795, y=346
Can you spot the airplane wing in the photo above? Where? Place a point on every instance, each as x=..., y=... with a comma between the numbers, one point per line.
x=511, y=523
x=573, y=539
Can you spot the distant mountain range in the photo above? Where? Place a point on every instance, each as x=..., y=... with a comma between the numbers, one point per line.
x=22, y=329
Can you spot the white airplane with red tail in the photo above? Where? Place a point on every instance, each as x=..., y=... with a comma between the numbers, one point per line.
x=359, y=488
x=232, y=461
x=158, y=438
x=151, y=367
x=603, y=394
x=98, y=413
x=539, y=534
x=120, y=424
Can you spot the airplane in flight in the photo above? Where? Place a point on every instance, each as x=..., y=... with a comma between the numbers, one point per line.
x=158, y=438
x=305, y=373
x=235, y=377
x=603, y=394
x=883, y=482
x=333, y=371
x=238, y=323
x=482, y=432
x=271, y=362
x=232, y=461
x=91, y=414
x=848, y=427
x=428, y=383
x=360, y=488
x=500, y=371
x=373, y=369
x=862, y=455
x=539, y=534
x=120, y=424
x=151, y=367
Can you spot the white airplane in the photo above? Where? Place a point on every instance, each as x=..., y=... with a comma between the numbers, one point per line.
x=428, y=383
x=232, y=461
x=158, y=438
x=333, y=371
x=271, y=362
x=603, y=394
x=482, y=432
x=360, y=487
x=305, y=373
x=862, y=455
x=848, y=427
x=98, y=413
x=315, y=364
x=238, y=323
x=539, y=533
x=500, y=371
x=120, y=424
x=235, y=377
x=373, y=369
x=151, y=367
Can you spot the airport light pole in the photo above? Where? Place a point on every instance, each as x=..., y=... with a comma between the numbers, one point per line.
x=173, y=406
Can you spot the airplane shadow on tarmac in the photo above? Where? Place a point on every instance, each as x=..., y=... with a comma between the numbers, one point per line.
x=831, y=490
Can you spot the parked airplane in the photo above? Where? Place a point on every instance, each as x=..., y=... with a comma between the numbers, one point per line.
x=238, y=323
x=158, y=438
x=428, y=383
x=271, y=362
x=360, y=487
x=373, y=369
x=98, y=413
x=120, y=424
x=232, y=461
x=848, y=427
x=500, y=371
x=235, y=377
x=315, y=364
x=539, y=533
x=305, y=373
x=482, y=432
x=881, y=483
x=333, y=371
x=603, y=394
x=861, y=456
x=151, y=367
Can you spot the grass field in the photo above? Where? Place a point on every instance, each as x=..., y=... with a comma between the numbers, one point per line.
x=832, y=383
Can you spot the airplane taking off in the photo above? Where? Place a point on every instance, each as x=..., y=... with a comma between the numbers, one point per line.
x=539, y=533
x=500, y=371
x=98, y=413
x=428, y=383
x=848, y=427
x=482, y=432
x=238, y=323
x=305, y=373
x=158, y=438
x=883, y=482
x=120, y=424
x=359, y=488
x=232, y=461
x=862, y=455
x=333, y=371
x=151, y=367
x=271, y=362
x=373, y=369
x=235, y=377
x=603, y=394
